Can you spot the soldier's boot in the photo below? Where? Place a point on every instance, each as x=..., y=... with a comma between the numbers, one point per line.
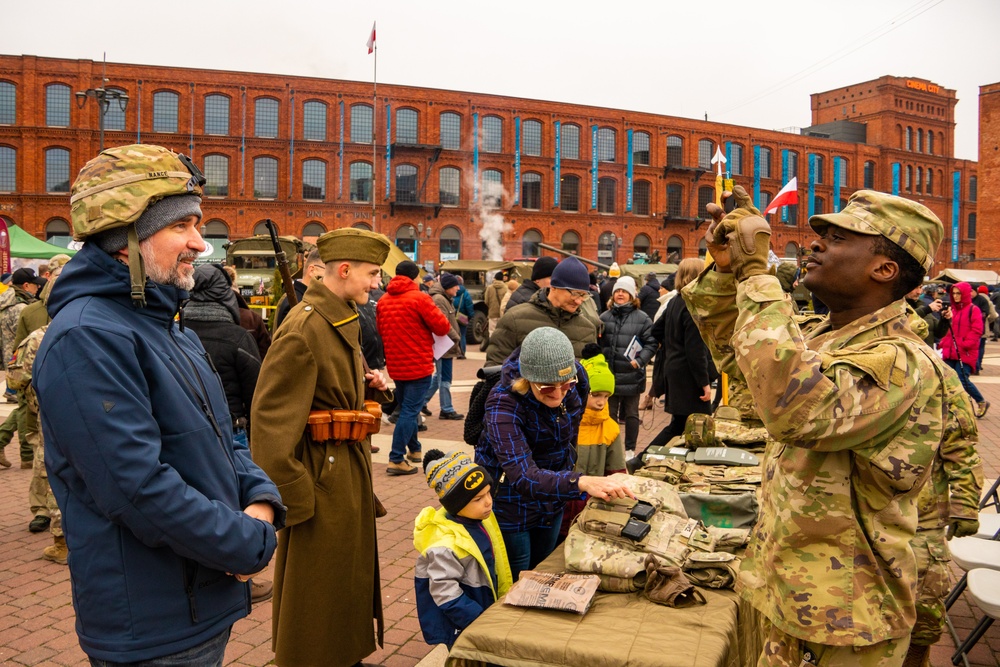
x=58, y=552
x=918, y=656
x=3, y=458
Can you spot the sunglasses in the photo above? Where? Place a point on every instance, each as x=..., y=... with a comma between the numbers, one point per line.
x=549, y=389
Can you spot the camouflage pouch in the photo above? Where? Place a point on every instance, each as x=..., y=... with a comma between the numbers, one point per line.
x=712, y=570
x=699, y=431
x=666, y=470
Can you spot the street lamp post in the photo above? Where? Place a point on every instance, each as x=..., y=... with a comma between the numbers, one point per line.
x=420, y=236
x=104, y=98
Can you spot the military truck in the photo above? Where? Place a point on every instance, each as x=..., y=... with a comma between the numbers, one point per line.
x=474, y=273
x=256, y=267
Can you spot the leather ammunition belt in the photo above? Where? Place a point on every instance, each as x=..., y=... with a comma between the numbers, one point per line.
x=350, y=425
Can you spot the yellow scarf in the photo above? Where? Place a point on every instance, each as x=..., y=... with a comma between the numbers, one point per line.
x=597, y=427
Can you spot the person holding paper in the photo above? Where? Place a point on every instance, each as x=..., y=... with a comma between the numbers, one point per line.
x=628, y=345
x=443, y=293
x=407, y=321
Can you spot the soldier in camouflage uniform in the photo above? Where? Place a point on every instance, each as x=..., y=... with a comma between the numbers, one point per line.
x=24, y=286
x=856, y=420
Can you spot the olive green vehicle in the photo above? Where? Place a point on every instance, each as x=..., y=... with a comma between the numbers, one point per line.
x=474, y=273
x=256, y=267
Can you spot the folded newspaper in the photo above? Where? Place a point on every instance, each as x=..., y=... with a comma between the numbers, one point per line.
x=546, y=590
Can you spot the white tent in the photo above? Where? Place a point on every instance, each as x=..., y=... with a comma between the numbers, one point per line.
x=968, y=276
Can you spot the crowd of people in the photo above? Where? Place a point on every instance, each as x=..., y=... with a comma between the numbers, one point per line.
x=187, y=446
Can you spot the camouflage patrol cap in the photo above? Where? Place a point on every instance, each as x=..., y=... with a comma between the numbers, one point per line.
x=911, y=226
x=356, y=245
x=117, y=186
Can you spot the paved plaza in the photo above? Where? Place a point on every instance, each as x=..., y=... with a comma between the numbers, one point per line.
x=37, y=619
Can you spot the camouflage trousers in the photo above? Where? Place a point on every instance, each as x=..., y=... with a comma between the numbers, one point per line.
x=932, y=556
x=40, y=497
x=782, y=650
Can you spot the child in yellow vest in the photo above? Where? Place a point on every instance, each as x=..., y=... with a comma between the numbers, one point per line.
x=600, y=450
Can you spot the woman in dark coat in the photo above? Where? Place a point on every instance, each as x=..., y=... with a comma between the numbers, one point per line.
x=688, y=368
x=623, y=322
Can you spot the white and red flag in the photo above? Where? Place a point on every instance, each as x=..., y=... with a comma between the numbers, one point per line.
x=371, y=40
x=786, y=197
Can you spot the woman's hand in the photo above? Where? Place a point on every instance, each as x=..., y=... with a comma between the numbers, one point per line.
x=604, y=488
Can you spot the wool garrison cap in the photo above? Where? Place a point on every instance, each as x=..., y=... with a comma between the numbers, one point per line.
x=547, y=357
x=543, y=268
x=455, y=478
x=355, y=245
x=911, y=226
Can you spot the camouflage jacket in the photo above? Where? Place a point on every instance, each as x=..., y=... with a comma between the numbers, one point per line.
x=12, y=302
x=855, y=423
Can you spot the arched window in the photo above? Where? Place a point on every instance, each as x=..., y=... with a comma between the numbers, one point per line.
x=930, y=142
x=569, y=193
x=531, y=191
x=820, y=167
x=920, y=180
x=56, y=170
x=641, y=244
x=909, y=138
x=406, y=183
x=706, y=195
x=8, y=169
x=265, y=117
x=451, y=131
x=216, y=176
x=819, y=205
x=869, y=175
x=114, y=115
x=362, y=225
x=569, y=142
x=265, y=178
x=406, y=127
x=451, y=243
x=640, y=197
x=361, y=181
x=920, y=140
x=765, y=200
x=930, y=179
x=314, y=121
x=793, y=164
x=908, y=184
x=706, y=148
x=606, y=144
x=492, y=134
x=216, y=114
x=973, y=188
x=606, y=190
x=216, y=229
x=314, y=180
x=675, y=247
x=971, y=226
x=640, y=148
x=492, y=188
x=406, y=240
x=313, y=230
x=449, y=179
x=56, y=227
x=791, y=250
x=765, y=162
x=607, y=247
x=57, y=105
x=735, y=163
x=165, y=105
x=571, y=242
x=529, y=243
x=361, y=123
x=260, y=229
x=8, y=103
x=531, y=137
x=675, y=151
x=675, y=195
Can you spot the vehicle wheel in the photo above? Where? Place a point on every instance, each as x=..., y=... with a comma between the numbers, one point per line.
x=479, y=329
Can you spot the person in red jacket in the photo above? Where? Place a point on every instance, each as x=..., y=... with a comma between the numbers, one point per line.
x=960, y=346
x=407, y=318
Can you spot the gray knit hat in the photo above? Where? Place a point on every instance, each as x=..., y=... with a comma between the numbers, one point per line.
x=547, y=357
x=157, y=216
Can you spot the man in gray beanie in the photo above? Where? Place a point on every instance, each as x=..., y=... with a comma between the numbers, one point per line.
x=559, y=306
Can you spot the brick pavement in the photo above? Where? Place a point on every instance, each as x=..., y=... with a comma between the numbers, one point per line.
x=36, y=616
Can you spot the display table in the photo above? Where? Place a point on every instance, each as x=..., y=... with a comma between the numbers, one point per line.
x=620, y=629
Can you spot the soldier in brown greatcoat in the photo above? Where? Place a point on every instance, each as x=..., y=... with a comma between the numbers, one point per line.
x=326, y=584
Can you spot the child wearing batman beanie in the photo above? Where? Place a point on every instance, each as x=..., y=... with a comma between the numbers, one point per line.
x=462, y=565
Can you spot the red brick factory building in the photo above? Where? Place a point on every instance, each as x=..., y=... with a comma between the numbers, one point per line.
x=603, y=183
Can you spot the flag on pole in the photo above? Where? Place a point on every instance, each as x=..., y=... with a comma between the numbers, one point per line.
x=371, y=40
x=786, y=197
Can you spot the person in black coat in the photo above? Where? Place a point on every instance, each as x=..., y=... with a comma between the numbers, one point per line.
x=649, y=296
x=623, y=322
x=541, y=276
x=213, y=314
x=688, y=370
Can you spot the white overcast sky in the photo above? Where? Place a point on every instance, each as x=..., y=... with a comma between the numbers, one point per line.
x=752, y=63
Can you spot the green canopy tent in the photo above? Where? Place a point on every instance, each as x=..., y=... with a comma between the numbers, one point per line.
x=25, y=246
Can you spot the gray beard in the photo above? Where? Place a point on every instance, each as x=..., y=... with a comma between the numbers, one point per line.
x=170, y=276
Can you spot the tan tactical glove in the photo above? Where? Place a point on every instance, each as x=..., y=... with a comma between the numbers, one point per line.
x=744, y=208
x=962, y=527
x=747, y=235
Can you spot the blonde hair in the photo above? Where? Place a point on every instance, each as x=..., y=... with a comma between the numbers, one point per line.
x=687, y=271
x=520, y=386
x=231, y=271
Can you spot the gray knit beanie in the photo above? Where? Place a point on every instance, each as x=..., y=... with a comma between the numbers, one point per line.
x=157, y=216
x=547, y=357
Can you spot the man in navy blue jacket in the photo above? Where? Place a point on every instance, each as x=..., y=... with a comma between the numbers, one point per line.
x=166, y=517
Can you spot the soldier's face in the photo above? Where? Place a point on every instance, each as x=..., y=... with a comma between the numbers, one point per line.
x=840, y=264
x=169, y=254
x=359, y=278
